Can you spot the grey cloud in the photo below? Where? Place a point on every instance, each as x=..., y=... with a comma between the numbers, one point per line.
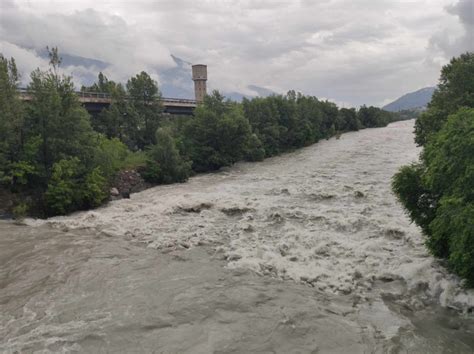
x=444, y=41
x=465, y=10
x=361, y=51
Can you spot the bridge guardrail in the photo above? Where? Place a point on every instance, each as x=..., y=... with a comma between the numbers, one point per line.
x=106, y=95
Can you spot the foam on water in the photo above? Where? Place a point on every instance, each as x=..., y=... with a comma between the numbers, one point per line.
x=324, y=215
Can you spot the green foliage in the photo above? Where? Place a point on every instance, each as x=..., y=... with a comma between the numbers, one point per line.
x=455, y=90
x=454, y=228
x=93, y=190
x=50, y=147
x=284, y=123
x=348, y=120
x=449, y=175
x=165, y=164
x=218, y=134
x=418, y=200
x=135, y=111
x=21, y=171
x=144, y=97
x=57, y=117
x=62, y=196
x=71, y=187
x=254, y=150
x=11, y=118
x=449, y=156
x=20, y=211
x=111, y=155
x=439, y=193
x=407, y=114
x=372, y=117
x=103, y=85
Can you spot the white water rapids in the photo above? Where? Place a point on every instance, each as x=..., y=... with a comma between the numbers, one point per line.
x=305, y=252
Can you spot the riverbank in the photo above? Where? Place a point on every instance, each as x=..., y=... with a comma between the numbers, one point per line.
x=324, y=215
x=308, y=248
x=80, y=291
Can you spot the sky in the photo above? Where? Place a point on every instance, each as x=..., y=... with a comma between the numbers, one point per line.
x=352, y=52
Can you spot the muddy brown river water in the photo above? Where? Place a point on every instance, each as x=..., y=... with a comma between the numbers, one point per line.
x=308, y=252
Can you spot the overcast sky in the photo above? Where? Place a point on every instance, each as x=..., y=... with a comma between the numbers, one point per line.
x=348, y=51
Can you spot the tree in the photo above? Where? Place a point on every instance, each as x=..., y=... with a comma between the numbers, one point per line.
x=348, y=120
x=58, y=118
x=165, y=164
x=455, y=90
x=73, y=187
x=61, y=143
x=103, y=85
x=11, y=121
x=145, y=97
x=218, y=134
x=438, y=193
x=263, y=117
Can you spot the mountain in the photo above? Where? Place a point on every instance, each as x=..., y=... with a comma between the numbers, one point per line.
x=413, y=100
x=175, y=82
x=92, y=66
x=257, y=91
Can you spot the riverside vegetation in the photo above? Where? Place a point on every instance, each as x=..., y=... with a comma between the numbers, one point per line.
x=438, y=191
x=55, y=158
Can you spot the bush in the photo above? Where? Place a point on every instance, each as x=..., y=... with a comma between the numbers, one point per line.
x=408, y=186
x=20, y=211
x=217, y=136
x=71, y=188
x=165, y=164
x=61, y=195
x=254, y=150
x=110, y=155
x=93, y=189
x=439, y=193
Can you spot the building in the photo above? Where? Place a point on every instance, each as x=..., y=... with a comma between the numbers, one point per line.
x=200, y=78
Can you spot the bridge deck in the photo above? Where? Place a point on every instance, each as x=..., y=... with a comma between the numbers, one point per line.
x=171, y=105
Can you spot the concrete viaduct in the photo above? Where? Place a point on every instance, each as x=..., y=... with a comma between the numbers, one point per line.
x=95, y=102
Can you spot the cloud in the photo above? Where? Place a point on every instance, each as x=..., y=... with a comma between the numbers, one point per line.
x=448, y=42
x=356, y=52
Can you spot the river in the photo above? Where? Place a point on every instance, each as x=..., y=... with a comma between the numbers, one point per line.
x=308, y=252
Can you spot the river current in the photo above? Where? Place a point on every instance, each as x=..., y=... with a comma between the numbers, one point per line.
x=301, y=253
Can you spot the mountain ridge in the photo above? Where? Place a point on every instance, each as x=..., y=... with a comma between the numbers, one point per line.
x=413, y=100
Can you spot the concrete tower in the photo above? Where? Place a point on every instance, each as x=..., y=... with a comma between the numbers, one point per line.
x=200, y=78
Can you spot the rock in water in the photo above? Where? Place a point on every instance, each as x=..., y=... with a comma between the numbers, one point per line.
x=114, y=192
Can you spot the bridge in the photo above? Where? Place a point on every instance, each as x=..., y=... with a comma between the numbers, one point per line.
x=95, y=102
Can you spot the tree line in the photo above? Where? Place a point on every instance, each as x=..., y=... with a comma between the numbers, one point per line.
x=55, y=158
x=438, y=191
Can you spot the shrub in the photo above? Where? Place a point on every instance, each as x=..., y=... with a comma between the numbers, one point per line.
x=61, y=195
x=20, y=211
x=165, y=164
x=93, y=189
x=71, y=188
x=439, y=193
x=254, y=150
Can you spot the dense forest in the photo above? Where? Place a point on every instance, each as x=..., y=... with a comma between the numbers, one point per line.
x=55, y=158
x=438, y=192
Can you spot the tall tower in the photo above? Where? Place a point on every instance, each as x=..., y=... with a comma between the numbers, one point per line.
x=200, y=78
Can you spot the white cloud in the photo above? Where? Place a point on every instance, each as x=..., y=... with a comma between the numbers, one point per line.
x=356, y=52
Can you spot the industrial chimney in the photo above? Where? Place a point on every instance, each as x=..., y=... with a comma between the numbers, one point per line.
x=200, y=78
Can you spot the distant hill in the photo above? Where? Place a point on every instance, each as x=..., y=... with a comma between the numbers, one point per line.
x=177, y=82
x=174, y=82
x=414, y=100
